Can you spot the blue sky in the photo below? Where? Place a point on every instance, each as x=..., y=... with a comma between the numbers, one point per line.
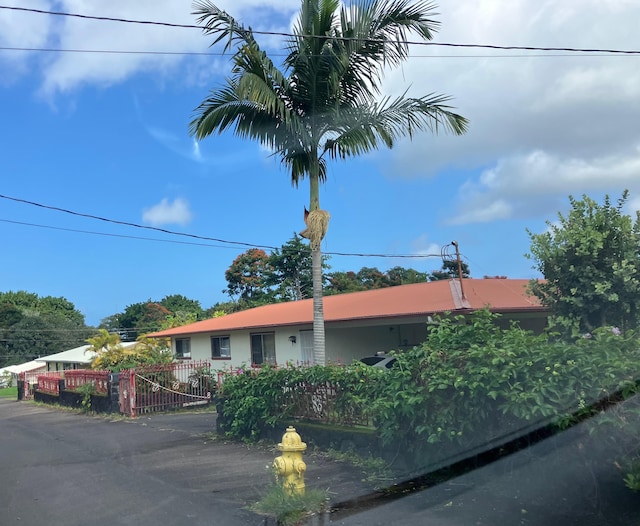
x=107, y=135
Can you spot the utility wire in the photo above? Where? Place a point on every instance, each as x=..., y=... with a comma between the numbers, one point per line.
x=220, y=53
x=285, y=34
x=134, y=225
x=113, y=235
x=157, y=229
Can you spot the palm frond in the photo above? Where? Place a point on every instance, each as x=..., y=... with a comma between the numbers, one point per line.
x=323, y=100
x=375, y=35
x=360, y=129
x=220, y=23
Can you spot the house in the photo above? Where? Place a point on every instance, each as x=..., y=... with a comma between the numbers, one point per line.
x=77, y=358
x=13, y=372
x=357, y=324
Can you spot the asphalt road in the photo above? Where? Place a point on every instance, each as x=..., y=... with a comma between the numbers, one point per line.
x=59, y=468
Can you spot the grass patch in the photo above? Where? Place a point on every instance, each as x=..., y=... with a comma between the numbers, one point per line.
x=9, y=392
x=291, y=510
x=375, y=471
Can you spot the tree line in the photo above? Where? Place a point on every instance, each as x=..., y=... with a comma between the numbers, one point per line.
x=590, y=259
x=32, y=326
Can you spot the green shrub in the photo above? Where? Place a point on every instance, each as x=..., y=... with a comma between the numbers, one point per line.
x=87, y=391
x=258, y=400
x=472, y=382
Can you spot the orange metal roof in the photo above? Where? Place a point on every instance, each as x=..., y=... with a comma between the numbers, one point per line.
x=419, y=299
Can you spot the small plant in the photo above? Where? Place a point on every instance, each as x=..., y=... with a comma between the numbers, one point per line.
x=86, y=390
x=291, y=510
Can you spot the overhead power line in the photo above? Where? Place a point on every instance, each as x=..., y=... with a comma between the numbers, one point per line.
x=221, y=53
x=285, y=34
x=184, y=234
x=113, y=235
x=133, y=225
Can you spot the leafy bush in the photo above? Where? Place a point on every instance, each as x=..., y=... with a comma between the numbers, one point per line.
x=258, y=399
x=112, y=356
x=472, y=382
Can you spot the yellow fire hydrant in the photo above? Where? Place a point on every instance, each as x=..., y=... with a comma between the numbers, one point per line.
x=289, y=466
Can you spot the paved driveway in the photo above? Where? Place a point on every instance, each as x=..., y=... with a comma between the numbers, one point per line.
x=59, y=468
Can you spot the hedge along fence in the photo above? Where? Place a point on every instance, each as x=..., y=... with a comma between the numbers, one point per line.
x=256, y=401
x=469, y=385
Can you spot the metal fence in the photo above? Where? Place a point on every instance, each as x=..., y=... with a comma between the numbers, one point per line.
x=50, y=382
x=30, y=381
x=76, y=378
x=327, y=403
x=163, y=387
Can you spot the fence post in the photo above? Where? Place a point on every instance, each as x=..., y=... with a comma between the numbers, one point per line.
x=132, y=392
x=113, y=392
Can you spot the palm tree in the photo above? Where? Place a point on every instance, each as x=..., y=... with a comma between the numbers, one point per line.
x=324, y=101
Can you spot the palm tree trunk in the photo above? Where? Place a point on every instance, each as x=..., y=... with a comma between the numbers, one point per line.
x=319, y=353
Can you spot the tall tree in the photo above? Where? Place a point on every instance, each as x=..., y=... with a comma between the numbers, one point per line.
x=324, y=102
x=368, y=278
x=291, y=270
x=590, y=260
x=32, y=326
x=181, y=306
x=405, y=276
x=449, y=270
x=136, y=320
x=247, y=278
x=340, y=282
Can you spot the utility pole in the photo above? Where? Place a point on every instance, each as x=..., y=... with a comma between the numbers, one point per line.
x=459, y=264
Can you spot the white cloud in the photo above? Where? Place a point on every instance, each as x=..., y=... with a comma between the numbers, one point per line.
x=541, y=127
x=166, y=213
x=63, y=72
x=422, y=246
x=195, y=152
x=19, y=29
x=633, y=206
x=526, y=185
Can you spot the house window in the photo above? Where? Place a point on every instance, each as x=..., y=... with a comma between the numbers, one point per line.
x=263, y=348
x=220, y=347
x=183, y=347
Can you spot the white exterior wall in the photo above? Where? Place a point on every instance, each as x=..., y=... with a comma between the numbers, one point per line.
x=345, y=343
x=240, y=341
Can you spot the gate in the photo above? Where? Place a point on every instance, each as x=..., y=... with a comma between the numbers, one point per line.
x=163, y=387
